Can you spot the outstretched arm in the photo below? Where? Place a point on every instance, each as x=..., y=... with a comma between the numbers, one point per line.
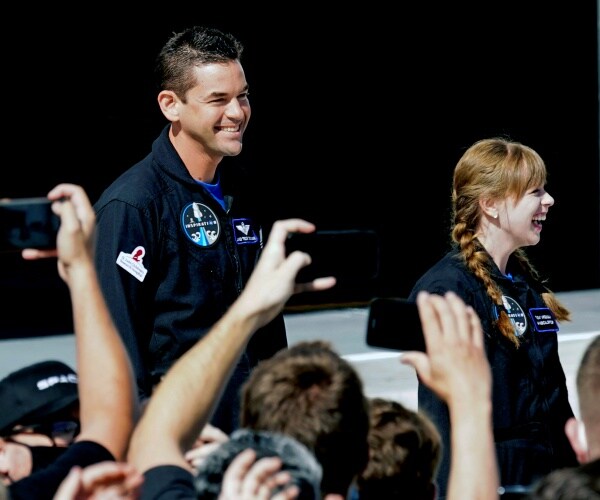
x=184, y=400
x=456, y=368
x=105, y=381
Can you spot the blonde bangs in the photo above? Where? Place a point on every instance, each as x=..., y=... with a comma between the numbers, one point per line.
x=525, y=170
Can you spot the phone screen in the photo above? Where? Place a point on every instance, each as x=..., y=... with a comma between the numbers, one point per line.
x=351, y=255
x=27, y=223
x=394, y=323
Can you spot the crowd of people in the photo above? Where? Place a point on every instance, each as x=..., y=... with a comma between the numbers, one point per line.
x=185, y=386
x=306, y=393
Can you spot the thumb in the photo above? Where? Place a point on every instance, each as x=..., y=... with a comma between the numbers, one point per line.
x=419, y=361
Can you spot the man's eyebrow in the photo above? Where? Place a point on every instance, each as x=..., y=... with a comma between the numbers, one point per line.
x=216, y=93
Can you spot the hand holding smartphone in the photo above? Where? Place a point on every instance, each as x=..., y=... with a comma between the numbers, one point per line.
x=27, y=223
x=394, y=323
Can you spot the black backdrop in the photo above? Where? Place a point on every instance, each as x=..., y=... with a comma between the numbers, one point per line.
x=359, y=117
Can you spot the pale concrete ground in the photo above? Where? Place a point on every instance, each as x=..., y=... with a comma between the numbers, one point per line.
x=381, y=370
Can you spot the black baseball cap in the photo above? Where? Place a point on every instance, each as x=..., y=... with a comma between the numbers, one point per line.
x=36, y=394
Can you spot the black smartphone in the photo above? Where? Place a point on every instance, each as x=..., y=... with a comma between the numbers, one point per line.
x=394, y=323
x=27, y=223
x=351, y=255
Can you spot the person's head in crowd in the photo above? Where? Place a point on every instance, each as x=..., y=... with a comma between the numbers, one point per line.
x=584, y=432
x=404, y=454
x=296, y=459
x=311, y=393
x=39, y=418
x=569, y=483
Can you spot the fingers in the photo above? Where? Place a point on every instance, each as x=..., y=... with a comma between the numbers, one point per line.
x=263, y=477
x=84, y=211
x=197, y=455
x=433, y=312
x=235, y=473
x=274, y=253
x=210, y=434
x=34, y=253
x=275, y=245
x=67, y=190
x=70, y=486
x=465, y=325
x=281, y=229
x=448, y=317
x=248, y=478
x=68, y=214
x=316, y=285
x=209, y=439
x=432, y=329
x=420, y=362
x=476, y=328
x=273, y=256
x=105, y=472
x=108, y=479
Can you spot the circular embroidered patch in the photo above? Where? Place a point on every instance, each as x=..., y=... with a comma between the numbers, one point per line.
x=516, y=315
x=200, y=224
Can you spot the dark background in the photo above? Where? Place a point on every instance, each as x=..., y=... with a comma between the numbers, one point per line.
x=358, y=118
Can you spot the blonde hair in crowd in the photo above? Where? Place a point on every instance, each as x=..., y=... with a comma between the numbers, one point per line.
x=495, y=168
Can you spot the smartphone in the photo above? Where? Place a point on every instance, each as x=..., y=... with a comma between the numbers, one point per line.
x=394, y=323
x=27, y=223
x=351, y=255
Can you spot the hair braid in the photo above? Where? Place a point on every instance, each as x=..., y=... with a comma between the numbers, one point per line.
x=477, y=260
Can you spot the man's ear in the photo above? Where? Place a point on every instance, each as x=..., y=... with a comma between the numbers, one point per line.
x=575, y=431
x=169, y=105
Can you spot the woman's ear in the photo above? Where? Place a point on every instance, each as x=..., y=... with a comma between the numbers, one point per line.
x=575, y=431
x=489, y=208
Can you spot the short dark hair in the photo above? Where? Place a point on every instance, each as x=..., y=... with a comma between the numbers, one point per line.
x=187, y=49
x=569, y=483
x=405, y=453
x=308, y=391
